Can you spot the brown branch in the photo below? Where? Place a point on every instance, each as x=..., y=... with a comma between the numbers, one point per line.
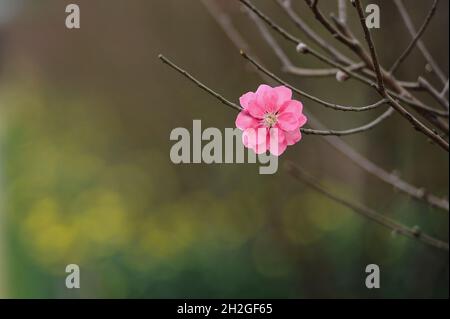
x=334, y=53
x=368, y=213
x=313, y=36
x=342, y=9
x=419, y=126
x=382, y=75
x=417, y=105
x=287, y=65
x=236, y=107
x=336, y=33
x=433, y=92
x=356, y=130
x=199, y=84
x=373, y=51
x=412, y=30
x=343, y=34
x=415, y=122
x=434, y=137
x=415, y=39
x=444, y=89
x=410, y=85
x=291, y=38
x=309, y=96
x=419, y=194
x=224, y=21
x=289, y=68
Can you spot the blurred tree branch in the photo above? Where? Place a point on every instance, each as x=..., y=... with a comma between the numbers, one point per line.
x=301, y=175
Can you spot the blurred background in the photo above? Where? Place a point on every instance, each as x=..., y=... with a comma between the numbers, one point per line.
x=86, y=178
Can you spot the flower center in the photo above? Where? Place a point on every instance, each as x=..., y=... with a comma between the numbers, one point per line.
x=270, y=119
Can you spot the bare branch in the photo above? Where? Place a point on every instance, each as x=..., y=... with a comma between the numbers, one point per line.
x=273, y=25
x=416, y=38
x=224, y=21
x=410, y=85
x=444, y=90
x=433, y=92
x=418, y=193
x=368, y=213
x=412, y=30
x=382, y=75
x=336, y=33
x=356, y=130
x=373, y=51
x=238, y=108
x=342, y=9
x=313, y=36
x=419, y=126
x=287, y=65
x=199, y=84
x=309, y=96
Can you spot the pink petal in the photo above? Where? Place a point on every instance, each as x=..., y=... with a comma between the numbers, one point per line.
x=246, y=98
x=254, y=137
x=292, y=106
x=244, y=120
x=255, y=109
x=303, y=119
x=293, y=137
x=266, y=98
x=263, y=88
x=278, y=143
x=288, y=121
x=284, y=95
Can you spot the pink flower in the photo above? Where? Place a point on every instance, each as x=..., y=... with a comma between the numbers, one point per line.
x=270, y=119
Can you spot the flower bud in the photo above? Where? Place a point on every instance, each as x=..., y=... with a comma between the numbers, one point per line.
x=341, y=76
x=302, y=48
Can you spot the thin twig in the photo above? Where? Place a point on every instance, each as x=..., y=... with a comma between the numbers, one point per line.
x=414, y=103
x=417, y=124
x=309, y=96
x=412, y=30
x=236, y=107
x=313, y=36
x=200, y=84
x=224, y=21
x=433, y=92
x=342, y=9
x=410, y=85
x=373, y=51
x=408, y=116
x=326, y=46
x=336, y=33
x=415, y=39
x=360, y=129
x=417, y=193
x=444, y=89
x=288, y=66
x=353, y=44
x=369, y=213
